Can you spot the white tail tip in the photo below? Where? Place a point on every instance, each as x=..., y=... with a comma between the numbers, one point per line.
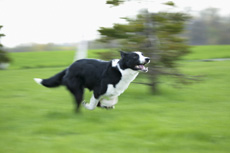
x=39, y=81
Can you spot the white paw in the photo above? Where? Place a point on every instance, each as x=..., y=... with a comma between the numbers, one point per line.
x=83, y=103
x=87, y=106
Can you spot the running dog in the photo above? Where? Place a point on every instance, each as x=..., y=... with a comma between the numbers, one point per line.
x=107, y=79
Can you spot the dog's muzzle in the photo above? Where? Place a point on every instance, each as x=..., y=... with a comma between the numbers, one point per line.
x=141, y=67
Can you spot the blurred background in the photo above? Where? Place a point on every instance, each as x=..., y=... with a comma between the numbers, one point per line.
x=181, y=105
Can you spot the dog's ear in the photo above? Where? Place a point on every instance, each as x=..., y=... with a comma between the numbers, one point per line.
x=123, y=54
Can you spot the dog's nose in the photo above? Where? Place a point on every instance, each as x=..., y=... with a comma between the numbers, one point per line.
x=147, y=60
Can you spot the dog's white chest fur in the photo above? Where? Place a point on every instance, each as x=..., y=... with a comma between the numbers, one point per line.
x=112, y=92
x=127, y=77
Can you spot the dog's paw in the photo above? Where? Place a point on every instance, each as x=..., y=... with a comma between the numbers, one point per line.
x=83, y=103
x=88, y=106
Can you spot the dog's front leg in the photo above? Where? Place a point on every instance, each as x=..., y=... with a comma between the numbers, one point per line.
x=93, y=103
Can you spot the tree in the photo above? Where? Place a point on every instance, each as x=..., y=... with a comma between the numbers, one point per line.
x=3, y=54
x=155, y=34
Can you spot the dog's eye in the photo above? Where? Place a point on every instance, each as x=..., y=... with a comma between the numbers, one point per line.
x=135, y=56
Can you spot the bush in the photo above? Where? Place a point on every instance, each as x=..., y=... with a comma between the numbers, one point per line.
x=4, y=57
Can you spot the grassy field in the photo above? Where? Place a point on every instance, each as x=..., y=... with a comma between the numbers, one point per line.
x=190, y=119
x=26, y=60
x=209, y=52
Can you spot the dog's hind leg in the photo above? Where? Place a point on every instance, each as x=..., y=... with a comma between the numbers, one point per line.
x=78, y=92
x=78, y=98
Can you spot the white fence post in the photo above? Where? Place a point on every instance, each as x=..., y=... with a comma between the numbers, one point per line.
x=82, y=49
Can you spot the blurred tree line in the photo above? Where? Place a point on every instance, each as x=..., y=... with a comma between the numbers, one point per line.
x=209, y=28
x=60, y=47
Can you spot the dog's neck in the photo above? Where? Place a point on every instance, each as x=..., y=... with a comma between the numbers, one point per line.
x=124, y=71
x=115, y=62
x=121, y=64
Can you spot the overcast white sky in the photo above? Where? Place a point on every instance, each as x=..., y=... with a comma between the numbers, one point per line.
x=64, y=21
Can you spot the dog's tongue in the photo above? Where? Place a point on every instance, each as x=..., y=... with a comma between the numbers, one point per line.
x=141, y=67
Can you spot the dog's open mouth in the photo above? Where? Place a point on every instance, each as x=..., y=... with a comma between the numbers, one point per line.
x=141, y=68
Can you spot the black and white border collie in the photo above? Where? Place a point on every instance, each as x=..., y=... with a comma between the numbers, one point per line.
x=107, y=79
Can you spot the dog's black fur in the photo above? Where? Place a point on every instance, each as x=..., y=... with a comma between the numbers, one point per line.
x=93, y=74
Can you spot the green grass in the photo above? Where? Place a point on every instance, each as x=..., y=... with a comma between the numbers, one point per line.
x=41, y=59
x=209, y=52
x=193, y=118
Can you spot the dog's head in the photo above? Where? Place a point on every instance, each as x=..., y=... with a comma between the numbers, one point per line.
x=134, y=60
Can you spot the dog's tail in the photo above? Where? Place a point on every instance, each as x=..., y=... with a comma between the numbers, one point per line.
x=54, y=81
